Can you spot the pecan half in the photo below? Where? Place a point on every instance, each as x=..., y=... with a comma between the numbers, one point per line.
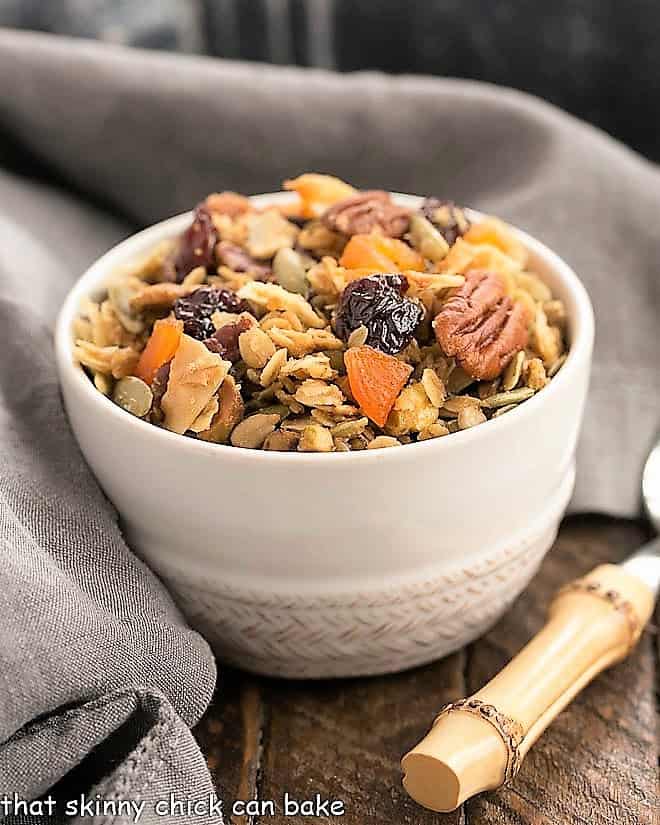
x=362, y=213
x=482, y=326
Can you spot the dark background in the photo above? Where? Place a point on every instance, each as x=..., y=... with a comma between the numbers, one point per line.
x=599, y=59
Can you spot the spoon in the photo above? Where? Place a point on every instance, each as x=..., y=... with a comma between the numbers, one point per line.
x=478, y=744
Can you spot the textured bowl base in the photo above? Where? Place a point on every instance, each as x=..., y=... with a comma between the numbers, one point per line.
x=365, y=633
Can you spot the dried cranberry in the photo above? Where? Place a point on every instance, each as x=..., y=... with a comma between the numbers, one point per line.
x=195, y=310
x=236, y=258
x=378, y=303
x=196, y=245
x=449, y=219
x=224, y=341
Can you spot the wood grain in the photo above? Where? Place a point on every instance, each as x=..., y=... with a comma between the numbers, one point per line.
x=596, y=764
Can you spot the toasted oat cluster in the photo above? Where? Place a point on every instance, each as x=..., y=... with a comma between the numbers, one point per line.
x=339, y=321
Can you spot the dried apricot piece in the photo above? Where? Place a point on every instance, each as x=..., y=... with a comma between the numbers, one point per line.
x=375, y=379
x=318, y=192
x=380, y=254
x=496, y=233
x=161, y=346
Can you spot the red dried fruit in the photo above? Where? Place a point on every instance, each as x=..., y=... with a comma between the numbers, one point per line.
x=482, y=326
x=224, y=341
x=377, y=302
x=196, y=309
x=448, y=219
x=196, y=245
x=237, y=259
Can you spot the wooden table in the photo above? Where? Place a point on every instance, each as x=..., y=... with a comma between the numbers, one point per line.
x=596, y=765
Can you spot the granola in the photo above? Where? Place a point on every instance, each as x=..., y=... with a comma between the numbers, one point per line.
x=341, y=322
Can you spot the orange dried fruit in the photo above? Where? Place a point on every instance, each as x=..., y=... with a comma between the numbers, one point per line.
x=380, y=254
x=161, y=346
x=496, y=233
x=318, y=192
x=375, y=379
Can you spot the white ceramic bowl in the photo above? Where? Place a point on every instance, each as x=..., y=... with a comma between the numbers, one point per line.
x=315, y=565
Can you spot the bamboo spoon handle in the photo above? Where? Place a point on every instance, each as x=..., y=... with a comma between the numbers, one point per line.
x=477, y=744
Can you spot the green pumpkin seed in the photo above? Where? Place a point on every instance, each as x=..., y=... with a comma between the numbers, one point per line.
x=289, y=269
x=503, y=399
x=512, y=372
x=426, y=239
x=133, y=395
x=502, y=410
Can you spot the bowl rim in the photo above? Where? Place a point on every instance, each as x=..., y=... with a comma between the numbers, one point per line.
x=120, y=254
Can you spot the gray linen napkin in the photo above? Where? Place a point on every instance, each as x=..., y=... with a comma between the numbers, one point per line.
x=147, y=135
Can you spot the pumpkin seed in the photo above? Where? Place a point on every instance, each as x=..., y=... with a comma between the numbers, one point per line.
x=349, y=429
x=426, y=239
x=133, y=395
x=253, y=431
x=289, y=270
x=513, y=370
x=120, y=293
x=502, y=410
x=502, y=399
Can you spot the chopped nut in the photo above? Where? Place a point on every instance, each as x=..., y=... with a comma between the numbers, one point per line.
x=412, y=411
x=546, y=340
x=195, y=376
x=434, y=387
x=434, y=431
x=230, y=412
x=268, y=232
x=315, y=439
x=535, y=376
x=309, y=366
x=383, y=441
x=253, y=431
x=460, y=402
x=315, y=393
x=274, y=297
x=469, y=417
x=272, y=369
x=320, y=240
x=255, y=347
